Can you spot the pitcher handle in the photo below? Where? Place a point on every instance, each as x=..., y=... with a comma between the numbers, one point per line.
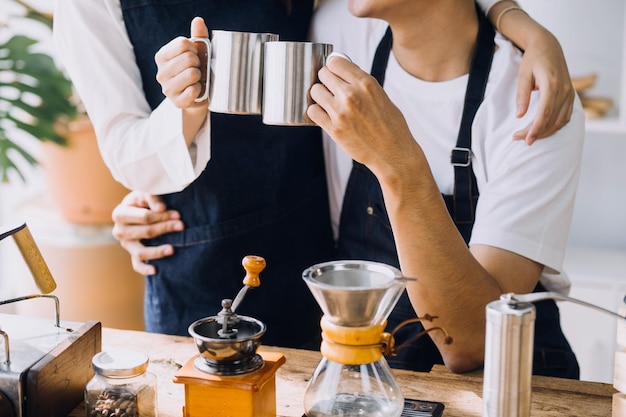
x=205, y=62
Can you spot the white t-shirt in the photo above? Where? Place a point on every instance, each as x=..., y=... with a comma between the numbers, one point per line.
x=144, y=150
x=526, y=192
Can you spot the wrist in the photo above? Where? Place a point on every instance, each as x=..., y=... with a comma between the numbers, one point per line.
x=503, y=9
x=193, y=119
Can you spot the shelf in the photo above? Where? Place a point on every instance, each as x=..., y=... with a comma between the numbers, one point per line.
x=612, y=126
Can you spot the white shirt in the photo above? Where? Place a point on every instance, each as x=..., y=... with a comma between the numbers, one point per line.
x=144, y=150
x=526, y=192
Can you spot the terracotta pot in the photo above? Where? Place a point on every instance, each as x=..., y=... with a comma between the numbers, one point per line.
x=79, y=182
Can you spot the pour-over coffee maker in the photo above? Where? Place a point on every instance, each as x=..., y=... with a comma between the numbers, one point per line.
x=353, y=377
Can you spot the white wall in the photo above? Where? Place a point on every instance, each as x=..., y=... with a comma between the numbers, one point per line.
x=592, y=34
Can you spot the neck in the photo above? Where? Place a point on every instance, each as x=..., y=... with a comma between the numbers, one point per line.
x=435, y=41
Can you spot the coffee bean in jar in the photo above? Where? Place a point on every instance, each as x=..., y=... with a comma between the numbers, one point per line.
x=121, y=387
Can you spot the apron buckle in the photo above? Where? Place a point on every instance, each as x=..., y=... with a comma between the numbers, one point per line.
x=461, y=157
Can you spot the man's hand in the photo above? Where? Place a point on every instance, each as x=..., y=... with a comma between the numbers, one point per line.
x=356, y=112
x=143, y=216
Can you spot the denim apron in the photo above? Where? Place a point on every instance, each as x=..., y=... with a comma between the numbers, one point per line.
x=365, y=231
x=263, y=192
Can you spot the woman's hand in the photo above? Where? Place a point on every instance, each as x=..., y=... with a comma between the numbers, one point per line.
x=144, y=216
x=544, y=68
x=179, y=68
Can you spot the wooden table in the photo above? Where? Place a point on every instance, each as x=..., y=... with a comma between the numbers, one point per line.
x=461, y=393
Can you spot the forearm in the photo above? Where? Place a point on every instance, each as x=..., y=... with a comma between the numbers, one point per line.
x=517, y=25
x=451, y=284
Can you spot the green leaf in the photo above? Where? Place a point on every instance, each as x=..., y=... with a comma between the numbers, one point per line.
x=28, y=72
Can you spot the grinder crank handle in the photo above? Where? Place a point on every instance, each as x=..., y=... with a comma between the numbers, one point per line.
x=512, y=299
x=32, y=256
x=253, y=266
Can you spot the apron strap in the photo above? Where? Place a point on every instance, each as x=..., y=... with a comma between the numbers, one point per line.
x=379, y=65
x=461, y=157
x=465, y=188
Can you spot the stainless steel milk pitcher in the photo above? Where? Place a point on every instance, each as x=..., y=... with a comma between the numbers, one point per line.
x=290, y=71
x=235, y=75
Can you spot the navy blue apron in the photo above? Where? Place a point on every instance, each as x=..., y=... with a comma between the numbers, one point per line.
x=263, y=192
x=365, y=231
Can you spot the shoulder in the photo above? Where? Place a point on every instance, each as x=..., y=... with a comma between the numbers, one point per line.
x=497, y=114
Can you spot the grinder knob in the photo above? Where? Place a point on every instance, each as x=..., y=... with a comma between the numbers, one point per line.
x=253, y=265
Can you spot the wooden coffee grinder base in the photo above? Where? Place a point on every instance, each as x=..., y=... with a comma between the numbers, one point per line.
x=247, y=395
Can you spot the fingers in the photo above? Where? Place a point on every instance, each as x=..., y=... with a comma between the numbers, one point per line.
x=142, y=209
x=525, y=86
x=544, y=68
x=543, y=119
x=134, y=219
x=335, y=80
x=140, y=254
x=145, y=200
x=143, y=268
x=143, y=216
x=155, y=203
x=198, y=28
x=180, y=76
x=180, y=68
x=133, y=231
x=554, y=112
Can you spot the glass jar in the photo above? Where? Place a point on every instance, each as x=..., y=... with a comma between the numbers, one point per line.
x=121, y=387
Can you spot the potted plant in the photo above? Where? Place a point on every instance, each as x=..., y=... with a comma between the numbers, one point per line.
x=37, y=103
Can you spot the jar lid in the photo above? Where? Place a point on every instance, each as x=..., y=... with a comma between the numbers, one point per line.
x=121, y=363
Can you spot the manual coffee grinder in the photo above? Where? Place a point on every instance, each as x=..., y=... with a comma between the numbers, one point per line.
x=229, y=377
x=509, y=339
x=353, y=378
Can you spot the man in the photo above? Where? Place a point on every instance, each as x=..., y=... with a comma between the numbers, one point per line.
x=472, y=214
x=141, y=216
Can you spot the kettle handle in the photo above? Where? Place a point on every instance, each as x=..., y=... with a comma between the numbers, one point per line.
x=32, y=256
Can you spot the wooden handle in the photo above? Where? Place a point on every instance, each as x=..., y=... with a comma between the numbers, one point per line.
x=34, y=260
x=253, y=266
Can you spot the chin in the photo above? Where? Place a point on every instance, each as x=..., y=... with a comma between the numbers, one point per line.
x=361, y=8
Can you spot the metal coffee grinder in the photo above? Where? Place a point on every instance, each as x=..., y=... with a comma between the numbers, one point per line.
x=229, y=377
x=509, y=341
x=353, y=378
